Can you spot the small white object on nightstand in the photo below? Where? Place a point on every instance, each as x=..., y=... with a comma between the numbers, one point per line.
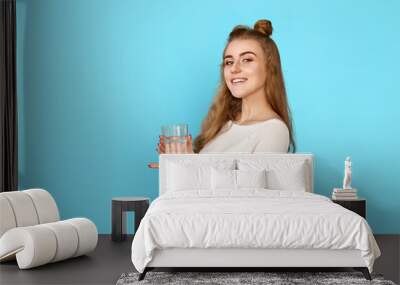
x=347, y=173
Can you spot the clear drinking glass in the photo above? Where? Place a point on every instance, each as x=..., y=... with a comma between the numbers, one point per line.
x=175, y=138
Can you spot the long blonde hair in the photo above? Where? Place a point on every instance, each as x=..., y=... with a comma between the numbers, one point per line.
x=226, y=107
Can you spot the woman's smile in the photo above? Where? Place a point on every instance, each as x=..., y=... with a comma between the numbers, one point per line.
x=238, y=81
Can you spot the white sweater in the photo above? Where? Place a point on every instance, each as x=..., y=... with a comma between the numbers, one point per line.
x=269, y=136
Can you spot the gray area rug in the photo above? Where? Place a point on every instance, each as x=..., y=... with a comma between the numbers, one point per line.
x=228, y=278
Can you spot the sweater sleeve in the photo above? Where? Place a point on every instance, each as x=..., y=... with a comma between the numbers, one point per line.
x=275, y=139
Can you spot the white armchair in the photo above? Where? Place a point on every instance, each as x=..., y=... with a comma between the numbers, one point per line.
x=31, y=230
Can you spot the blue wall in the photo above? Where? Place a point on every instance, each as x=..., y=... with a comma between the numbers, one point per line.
x=97, y=78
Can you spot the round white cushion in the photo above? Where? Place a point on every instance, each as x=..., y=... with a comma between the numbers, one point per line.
x=26, y=208
x=45, y=206
x=7, y=216
x=51, y=242
x=24, y=211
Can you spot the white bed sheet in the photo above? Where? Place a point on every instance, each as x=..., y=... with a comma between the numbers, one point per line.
x=251, y=218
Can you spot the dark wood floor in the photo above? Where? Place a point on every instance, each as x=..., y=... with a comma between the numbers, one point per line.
x=111, y=259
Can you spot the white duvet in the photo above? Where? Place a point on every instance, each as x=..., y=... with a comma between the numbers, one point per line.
x=250, y=219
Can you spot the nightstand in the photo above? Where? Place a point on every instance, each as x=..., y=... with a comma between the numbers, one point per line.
x=121, y=205
x=358, y=206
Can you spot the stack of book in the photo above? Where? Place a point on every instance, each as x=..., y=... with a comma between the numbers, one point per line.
x=344, y=194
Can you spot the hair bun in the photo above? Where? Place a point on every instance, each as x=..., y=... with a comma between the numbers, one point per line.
x=264, y=27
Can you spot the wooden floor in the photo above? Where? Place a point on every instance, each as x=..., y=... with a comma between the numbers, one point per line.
x=111, y=259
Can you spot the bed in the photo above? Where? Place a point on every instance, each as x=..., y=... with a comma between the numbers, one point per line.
x=247, y=210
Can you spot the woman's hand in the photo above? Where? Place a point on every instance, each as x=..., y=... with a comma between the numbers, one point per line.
x=171, y=148
x=163, y=148
x=161, y=145
x=189, y=144
x=153, y=165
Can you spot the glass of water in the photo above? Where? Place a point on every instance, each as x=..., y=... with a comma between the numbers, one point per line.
x=175, y=138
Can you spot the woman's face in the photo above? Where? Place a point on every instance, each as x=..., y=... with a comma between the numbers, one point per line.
x=244, y=67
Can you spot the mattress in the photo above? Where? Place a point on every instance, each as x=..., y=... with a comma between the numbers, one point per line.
x=250, y=219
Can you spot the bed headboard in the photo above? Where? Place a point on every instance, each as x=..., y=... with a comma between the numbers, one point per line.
x=268, y=160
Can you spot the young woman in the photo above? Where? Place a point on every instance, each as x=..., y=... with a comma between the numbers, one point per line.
x=250, y=112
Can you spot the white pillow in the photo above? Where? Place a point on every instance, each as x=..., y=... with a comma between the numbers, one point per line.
x=291, y=178
x=282, y=174
x=251, y=178
x=223, y=179
x=187, y=174
x=236, y=179
x=182, y=177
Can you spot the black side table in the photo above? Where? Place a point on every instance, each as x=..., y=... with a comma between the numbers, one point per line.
x=121, y=205
x=358, y=206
